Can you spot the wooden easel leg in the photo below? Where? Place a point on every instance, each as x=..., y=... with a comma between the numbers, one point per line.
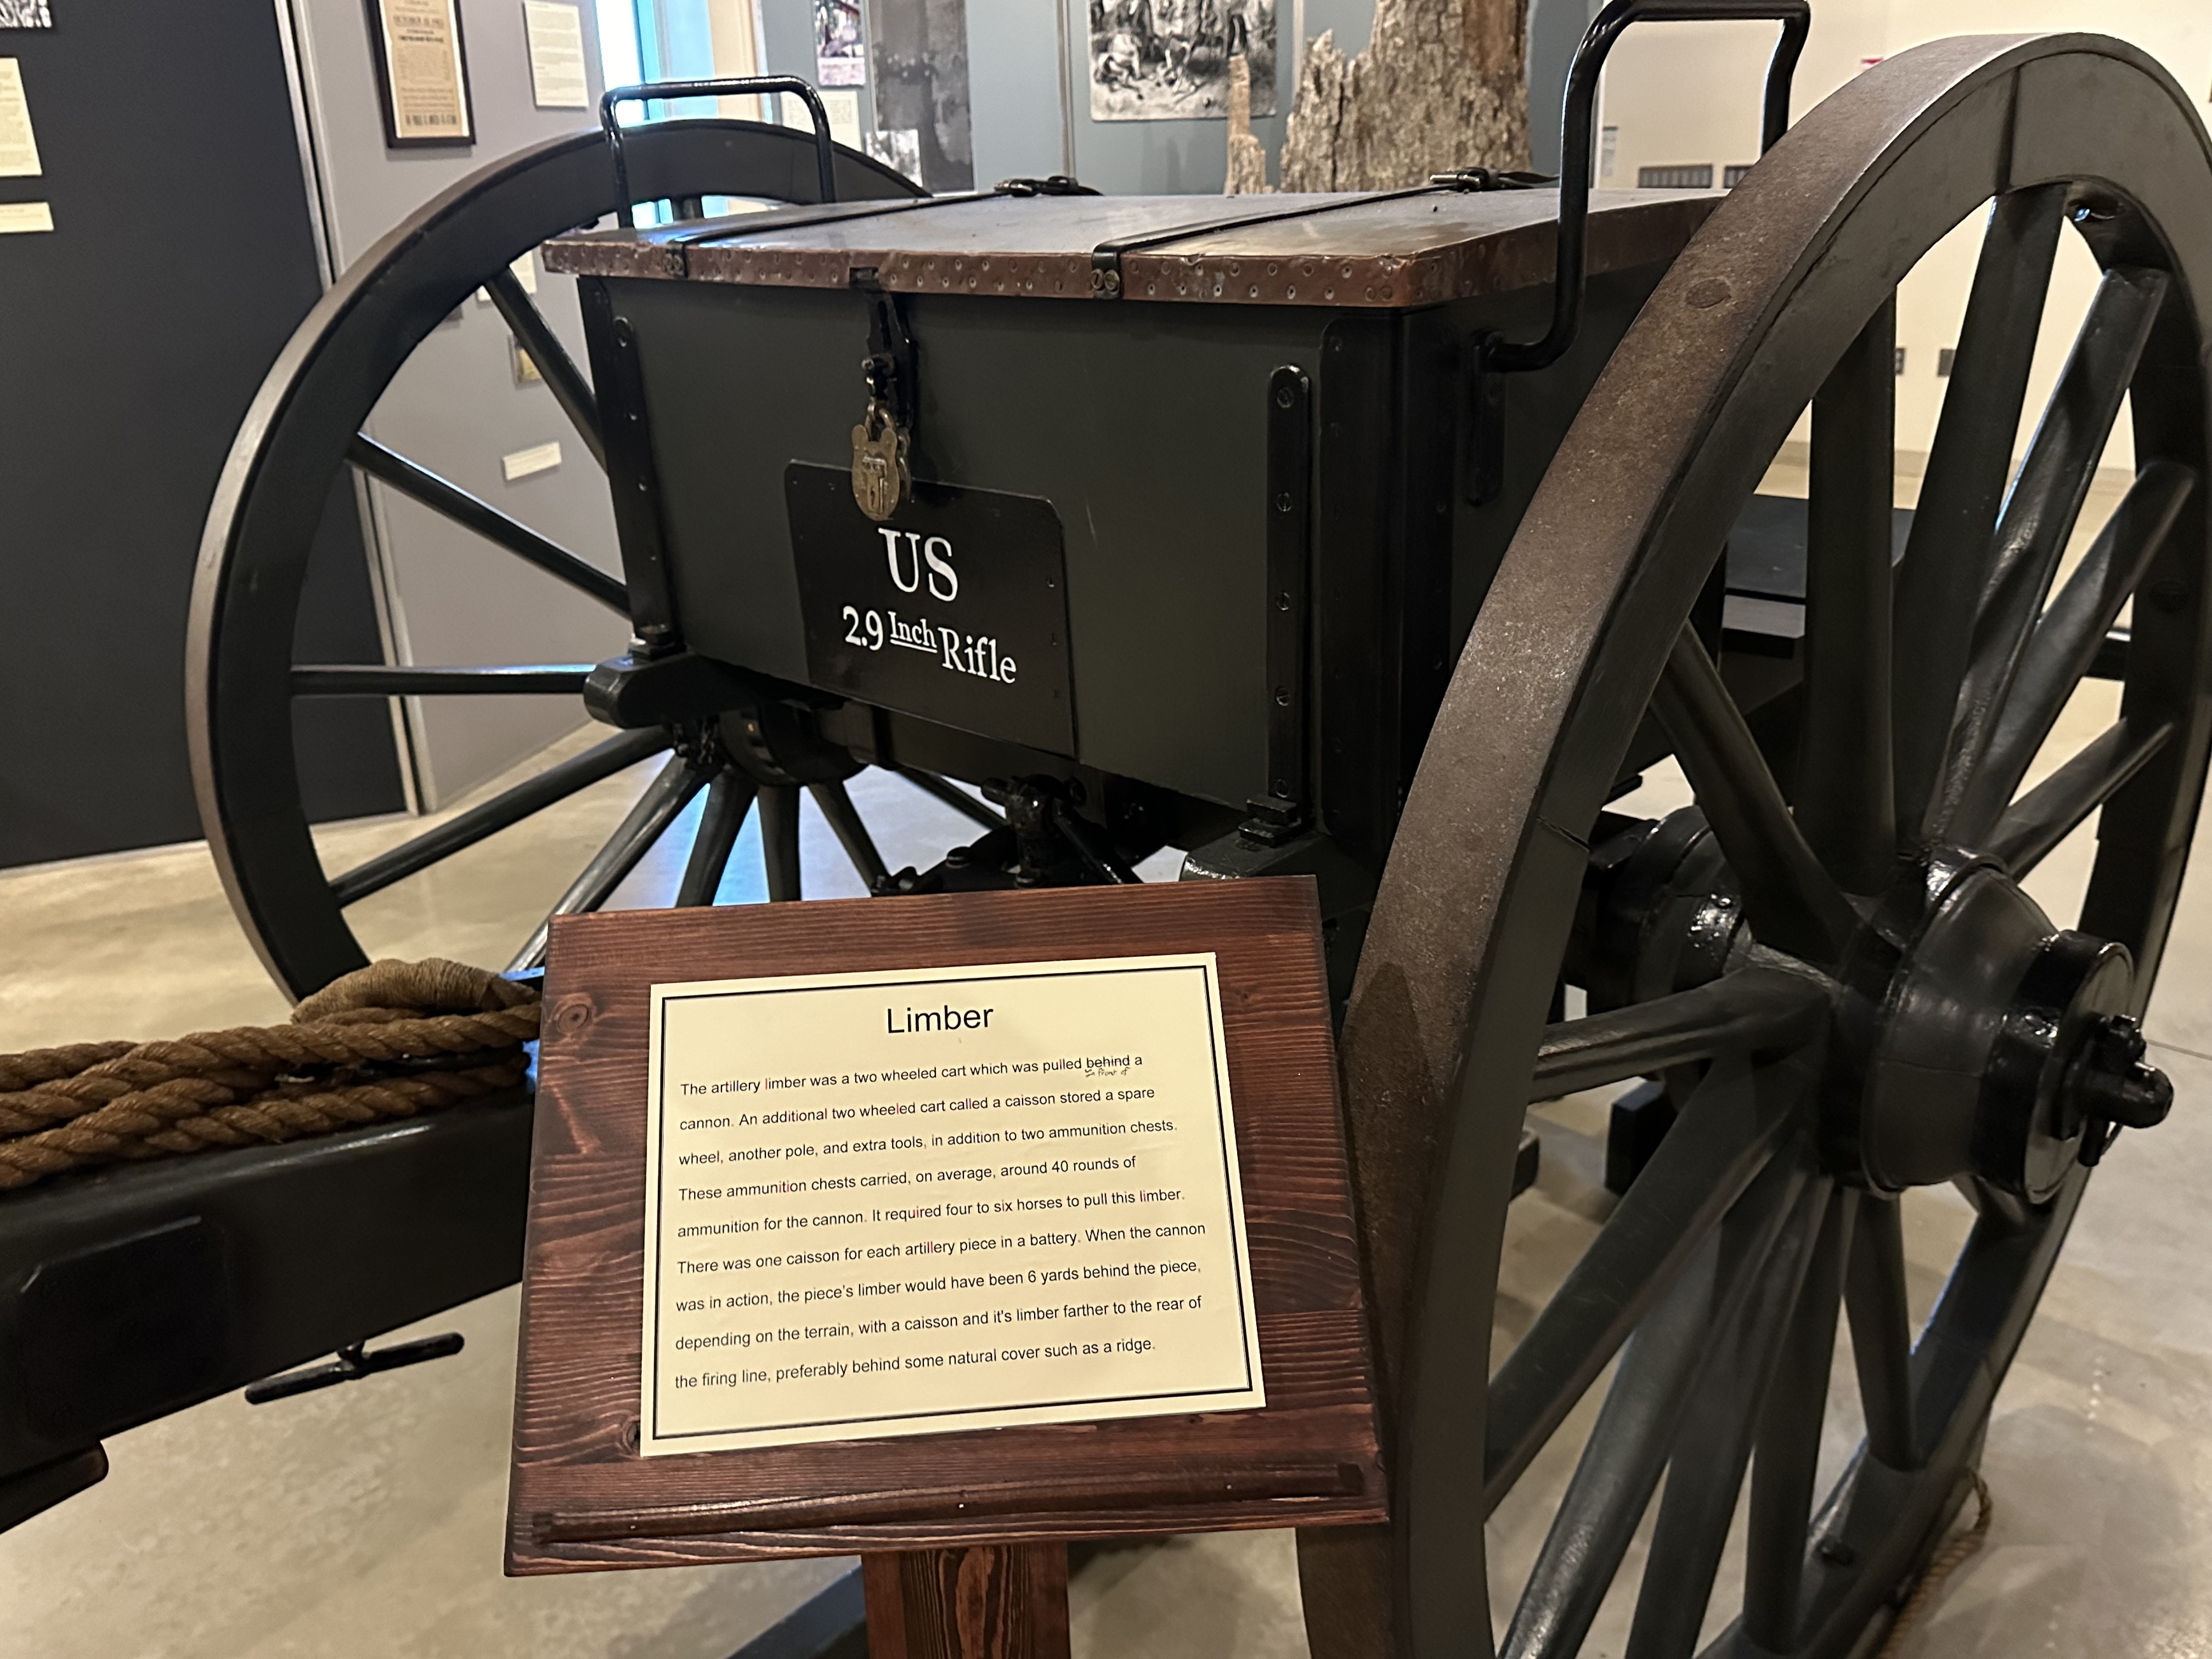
x=988, y=1601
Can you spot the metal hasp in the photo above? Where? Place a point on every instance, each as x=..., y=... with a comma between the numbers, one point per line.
x=883, y=442
x=825, y=150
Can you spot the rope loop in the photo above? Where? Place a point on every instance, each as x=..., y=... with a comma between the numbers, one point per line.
x=1946, y=1562
x=386, y=1041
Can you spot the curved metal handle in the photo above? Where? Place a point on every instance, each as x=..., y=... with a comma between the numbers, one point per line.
x=825, y=148
x=1575, y=113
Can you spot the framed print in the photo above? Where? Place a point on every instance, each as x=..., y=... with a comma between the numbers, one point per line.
x=421, y=72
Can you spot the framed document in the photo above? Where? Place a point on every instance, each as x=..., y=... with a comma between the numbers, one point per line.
x=555, y=34
x=421, y=72
x=927, y=1222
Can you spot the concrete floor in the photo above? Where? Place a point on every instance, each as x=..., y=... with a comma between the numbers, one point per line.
x=367, y=1520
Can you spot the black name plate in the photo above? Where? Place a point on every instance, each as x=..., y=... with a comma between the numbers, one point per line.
x=956, y=611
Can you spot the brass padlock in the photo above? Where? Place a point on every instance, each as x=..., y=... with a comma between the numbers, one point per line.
x=880, y=480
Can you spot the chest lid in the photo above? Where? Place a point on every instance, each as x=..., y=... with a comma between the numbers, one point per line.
x=1376, y=251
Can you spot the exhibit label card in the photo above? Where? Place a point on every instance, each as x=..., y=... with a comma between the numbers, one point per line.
x=908, y=1202
x=19, y=146
x=555, y=32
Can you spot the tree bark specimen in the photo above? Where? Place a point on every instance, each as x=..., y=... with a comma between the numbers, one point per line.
x=1441, y=85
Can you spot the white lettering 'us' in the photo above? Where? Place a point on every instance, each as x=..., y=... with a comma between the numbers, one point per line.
x=944, y=580
x=905, y=563
x=908, y=583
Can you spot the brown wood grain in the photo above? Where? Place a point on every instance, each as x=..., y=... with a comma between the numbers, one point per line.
x=987, y=1602
x=582, y=1497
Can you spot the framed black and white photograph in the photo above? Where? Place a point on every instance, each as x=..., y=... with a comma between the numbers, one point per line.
x=422, y=73
x=918, y=54
x=1168, y=60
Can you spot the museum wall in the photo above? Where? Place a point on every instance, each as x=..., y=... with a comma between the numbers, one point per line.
x=1687, y=94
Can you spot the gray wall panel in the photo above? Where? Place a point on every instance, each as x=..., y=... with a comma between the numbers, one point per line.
x=455, y=407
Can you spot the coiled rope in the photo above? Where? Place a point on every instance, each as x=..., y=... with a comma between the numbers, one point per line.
x=393, y=1040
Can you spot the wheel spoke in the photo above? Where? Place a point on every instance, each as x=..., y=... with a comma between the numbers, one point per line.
x=1881, y=1331
x=536, y=336
x=1756, y=1009
x=2073, y=629
x=664, y=799
x=510, y=806
x=1704, y=1469
x=2048, y=813
x=1877, y=1517
x=1793, y=903
x=1636, y=1429
x=494, y=527
x=1947, y=554
x=375, y=680
x=1728, y=1132
x=852, y=833
x=1843, y=798
x=729, y=798
x=2039, y=517
x=957, y=799
x=779, y=819
x=1789, y=1447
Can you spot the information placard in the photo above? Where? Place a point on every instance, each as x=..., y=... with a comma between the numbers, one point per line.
x=913, y=1223
x=884, y=1204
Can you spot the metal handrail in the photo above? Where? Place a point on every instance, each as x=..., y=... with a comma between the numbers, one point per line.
x=1575, y=113
x=824, y=146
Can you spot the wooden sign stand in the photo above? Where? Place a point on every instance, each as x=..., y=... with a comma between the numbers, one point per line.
x=965, y=1533
x=985, y=1601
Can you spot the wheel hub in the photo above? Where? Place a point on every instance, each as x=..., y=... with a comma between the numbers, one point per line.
x=1989, y=1042
x=2003, y=1047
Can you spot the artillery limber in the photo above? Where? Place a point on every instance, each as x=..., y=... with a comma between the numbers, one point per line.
x=1398, y=541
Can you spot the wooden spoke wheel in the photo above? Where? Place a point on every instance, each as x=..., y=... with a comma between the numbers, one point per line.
x=305, y=427
x=1830, y=955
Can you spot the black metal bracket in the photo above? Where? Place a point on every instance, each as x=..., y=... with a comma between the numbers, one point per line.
x=634, y=691
x=1484, y=464
x=889, y=368
x=353, y=1362
x=1467, y=179
x=1281, y=813
x=1058, y=183
x=1575, y=113
x=1044, y=842
x=632, y=474
x=825, y=148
